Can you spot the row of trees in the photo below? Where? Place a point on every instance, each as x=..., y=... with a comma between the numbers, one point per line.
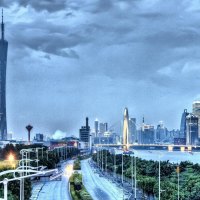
x=147, y=175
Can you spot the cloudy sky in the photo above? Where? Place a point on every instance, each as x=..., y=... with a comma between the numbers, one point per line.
x=69, y=59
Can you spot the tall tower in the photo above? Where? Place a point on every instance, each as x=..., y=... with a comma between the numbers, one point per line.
x=183, y=124
x=3, y=63
x=126, y=130
x=196, y=111
x=96, y=127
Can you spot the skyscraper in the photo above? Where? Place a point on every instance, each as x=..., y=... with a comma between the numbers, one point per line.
x=192, y=130
x=84, y=132
x=183, y=124
x=146, y=134
x=96, y=127
x=196, y=111
x=3, y=63
x=103, y=127
x=133, y=130
x=161, y=132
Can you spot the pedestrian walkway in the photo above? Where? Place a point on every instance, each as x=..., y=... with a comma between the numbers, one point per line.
x=36, y=188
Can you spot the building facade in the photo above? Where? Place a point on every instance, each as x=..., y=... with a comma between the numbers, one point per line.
x=103, y=127
x=133, y=130
x=183, y=124
x=3, y=64
x=96, y=127
x=196, y=112
x=147, y=134
x=192, y=129
x=161, y=132
x=84, y=132
x=39, y=137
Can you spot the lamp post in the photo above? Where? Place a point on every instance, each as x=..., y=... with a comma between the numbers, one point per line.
x=102, y=159
x=159, y=187
x=5, y=183
x=114, y=163
x=122, y=169
x=178, y=171
x=37, y=157
x=106, y=162
x=47, y=152
x=97, y=157
x=65, y=152
x=132, y=172
x=135, y=173
x=122, y=175
x=37, y=153
x=159, y=180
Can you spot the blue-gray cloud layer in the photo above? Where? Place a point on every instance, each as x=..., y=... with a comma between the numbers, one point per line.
x=68, y=59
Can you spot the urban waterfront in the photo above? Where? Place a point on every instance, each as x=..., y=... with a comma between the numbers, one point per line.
x=173, y=157
x=99, y=100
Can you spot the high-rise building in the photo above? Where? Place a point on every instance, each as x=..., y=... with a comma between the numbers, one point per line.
x=147, y=134
x=161, y=132
x=84, y=132
x=106, y=126
x=192, y=130
x=196, y=111
x=3, y=64
x=39, y=137
x=132, y=130
x=96, y=127
x=183, y=124
x=103, y=127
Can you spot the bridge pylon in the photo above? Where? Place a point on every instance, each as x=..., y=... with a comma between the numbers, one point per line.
x=126, y=130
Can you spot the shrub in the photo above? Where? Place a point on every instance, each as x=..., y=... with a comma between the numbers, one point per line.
x=77, y=189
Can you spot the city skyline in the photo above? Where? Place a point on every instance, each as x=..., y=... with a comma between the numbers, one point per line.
x=65, y=60
x=99, y=99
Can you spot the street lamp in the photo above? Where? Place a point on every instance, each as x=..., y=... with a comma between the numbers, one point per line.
x=106, y=162
x=159, y=189
x=115, y=164
x=178, y=171
x=122, y=175
x=159, y=180
x=37, y=151
x=102, y=159
x=122, y=169
x=47, y=153
x=132, y=171
x=135, y=173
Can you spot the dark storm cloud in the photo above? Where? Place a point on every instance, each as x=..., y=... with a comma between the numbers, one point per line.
x=49, y=5
x=48, y=38
x=142, y=54
x=103, y=6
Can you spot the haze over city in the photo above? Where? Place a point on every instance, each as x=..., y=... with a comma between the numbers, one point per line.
x=69, y=59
